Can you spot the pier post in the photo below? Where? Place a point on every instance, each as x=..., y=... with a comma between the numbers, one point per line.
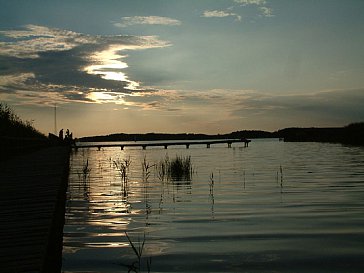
x=121, y=147
x=208, y=145
x=187, y=146
x=229, y=144
x=144, y=147
x=98, y=148
x=165, y=146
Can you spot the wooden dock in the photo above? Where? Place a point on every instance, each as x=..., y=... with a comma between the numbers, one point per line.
x=32, y=202
x=164, y=144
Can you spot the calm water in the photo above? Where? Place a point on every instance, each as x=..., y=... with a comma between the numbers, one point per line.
x=271, y=207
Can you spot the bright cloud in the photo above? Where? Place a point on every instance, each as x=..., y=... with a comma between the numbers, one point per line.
x=147, y=20
x=267, y=12
x=261, y=4
x=220, y=14
x=251, y=2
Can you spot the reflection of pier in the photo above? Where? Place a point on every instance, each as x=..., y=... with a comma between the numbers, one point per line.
x=165, y=144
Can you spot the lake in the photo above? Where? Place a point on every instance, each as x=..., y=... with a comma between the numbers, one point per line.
x=271, y=207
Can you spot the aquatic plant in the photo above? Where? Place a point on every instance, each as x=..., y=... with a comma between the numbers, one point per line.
x=146, y=167
x=212, y=183
x=123, y=167
x=138, y=251
x=180, y=168
x=279, y=177
x=85, y=169
x=177, y=169
x=162, y=168
x=85, y=172
x=244, y=178
x=84, y=178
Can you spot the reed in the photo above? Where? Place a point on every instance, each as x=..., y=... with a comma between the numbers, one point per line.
x=162, y=168
x=83, y=177
x=138, y=251
x=123, y=167
x=212, y=183
x=86, y=170
x=279, y=177
x=146, y=167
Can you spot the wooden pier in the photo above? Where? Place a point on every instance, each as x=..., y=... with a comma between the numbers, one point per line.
x=164, y=144
x=32, y=202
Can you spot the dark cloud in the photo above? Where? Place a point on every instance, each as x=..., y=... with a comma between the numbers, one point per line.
x=41, y=59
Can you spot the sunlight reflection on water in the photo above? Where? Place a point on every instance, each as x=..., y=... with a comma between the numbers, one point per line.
x=272, y=207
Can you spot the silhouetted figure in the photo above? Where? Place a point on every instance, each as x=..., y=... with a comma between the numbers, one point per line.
x=68, y=139
x=61, y=134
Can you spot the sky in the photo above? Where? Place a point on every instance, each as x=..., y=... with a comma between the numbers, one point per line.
x=174, y=66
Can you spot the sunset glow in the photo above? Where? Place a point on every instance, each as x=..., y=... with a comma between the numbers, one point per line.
x=109, y=65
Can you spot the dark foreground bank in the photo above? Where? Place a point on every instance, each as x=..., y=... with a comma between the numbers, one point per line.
x=32, y=202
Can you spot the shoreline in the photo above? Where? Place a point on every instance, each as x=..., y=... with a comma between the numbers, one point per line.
x=352, y=134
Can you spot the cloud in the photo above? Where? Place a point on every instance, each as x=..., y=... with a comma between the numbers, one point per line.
x=38, y=60
x=267, y=12
x=261, y=4
x=147, y=20
x=274, y=111
x=251, y=2
x=220, y=14
x=323, y=107
x=32, y=40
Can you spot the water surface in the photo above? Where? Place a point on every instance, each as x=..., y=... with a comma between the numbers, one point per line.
x=271, y=207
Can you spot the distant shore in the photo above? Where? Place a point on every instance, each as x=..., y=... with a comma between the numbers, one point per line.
x=352, y=134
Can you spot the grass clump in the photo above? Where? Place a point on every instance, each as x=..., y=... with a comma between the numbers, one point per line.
x=177, y=169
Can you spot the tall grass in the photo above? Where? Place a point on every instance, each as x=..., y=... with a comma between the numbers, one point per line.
x=12, y=126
